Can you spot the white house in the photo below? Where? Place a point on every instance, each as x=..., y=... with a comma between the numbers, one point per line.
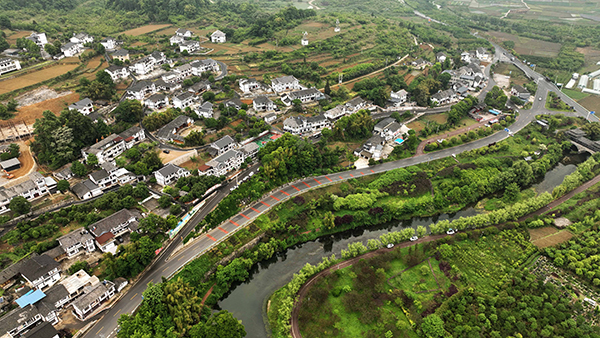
x=33, y=187
x=304, y=95
x=109, y=43
x=481, y=53
x=39, y=39
x=8, y=65
x=81, y=38
x=121, y=54
x=285, y=83
x=107, y=149
x=156, y=101
x=207, y=65
x=148, y=63
x=263, y=103
x=117, y=72
x=441, y=57
x=300, y=125
x=199, y=87
x=270, y=117
x=465, y=57
x=70, y=49
x=140, y=90
x=76, y=242
x=222, y=145
x=184, y=33
x=117, y=224
x=399, y=97
x=304, y=39
x=176, y=40
x=443, y=97
x=337, y=26
x=40, y=271
x=183, y=99
x=189, y=46
x=231, y=159
x=205, y=110
x=93, y=299
x=218, y=37
x=520, y=92
x=170, y=174
x=169, y=131
x=86, y=190
x=84, y=106
x=249, y=85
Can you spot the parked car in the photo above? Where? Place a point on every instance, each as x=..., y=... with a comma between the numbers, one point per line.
x=450, y=231
x=389, y=246
x=414, y=238
x=233, y=188
x=166, y=151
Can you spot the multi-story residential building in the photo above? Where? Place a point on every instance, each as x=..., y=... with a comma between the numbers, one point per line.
x=86, y=189
x=189, y=46
x=300, y=125
x=169, y=131
x=199, y=87
x=148, y=63
x=520, y=92
x=205, y=110
x=33, y=187
x=207, y=65
x=156, y=101
x=106, y=150
x=76, y=242
x=304, y=95
x=232, y=159
x=183, y=99
x=121, y=54
x=81, y=38
x=117, y=72
x=115, y=225
x=263, y=103
x=84, y=106
x=399, y=97
x=39, y=39
x=169, y=174
x=176, y=40
x=249, y=85
x=444, y=96
x=222, y=145
x=40, y=271
x=8, y=65
x=70, y=49
x=140, y=90
x=93, y=299
x=285, y=83
x=184, y=33
x=218, y=37
x=109, y=43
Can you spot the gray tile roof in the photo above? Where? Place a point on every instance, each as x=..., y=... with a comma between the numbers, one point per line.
x=284, y=79
x=226, y=156
x=86, y=299
x=45, y=330
x=166, y=132
x=169, y=170
x=37, y=266
x=99, y=175
x=262, y=100
x=74, y=237
x=106, y=224
x=223, y=142
x=156, y=97
x=82, y=188
x=106, y=142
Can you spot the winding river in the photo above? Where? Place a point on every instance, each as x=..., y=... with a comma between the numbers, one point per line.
x=247, y=300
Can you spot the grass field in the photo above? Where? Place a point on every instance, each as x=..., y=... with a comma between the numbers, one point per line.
x=144, y=30
x=553, y=239
x=575, y=94
x=34, y=77
x=516, y=75
x=591, y=102
x=527, y=46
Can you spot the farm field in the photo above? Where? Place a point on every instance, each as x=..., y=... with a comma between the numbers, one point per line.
x=34, y=77
x=527, y=46
x=32, y=112
x=591, y=102
x=575, y=94
x=554, y=239
x=592, y=57
x=12, y=38
x=516, y=75
x=144, y=30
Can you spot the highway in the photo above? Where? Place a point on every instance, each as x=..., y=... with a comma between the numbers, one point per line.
x=170, y=260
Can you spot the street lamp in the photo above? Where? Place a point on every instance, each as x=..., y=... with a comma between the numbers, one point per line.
x=590, y=113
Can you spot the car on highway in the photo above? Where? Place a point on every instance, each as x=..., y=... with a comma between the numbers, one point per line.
x=414, y=238
x=389, y=246
x=450, y=232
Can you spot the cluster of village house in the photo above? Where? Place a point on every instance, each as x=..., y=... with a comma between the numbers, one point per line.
x=43, y=292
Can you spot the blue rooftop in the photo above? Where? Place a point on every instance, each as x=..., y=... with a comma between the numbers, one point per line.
x=30, y=297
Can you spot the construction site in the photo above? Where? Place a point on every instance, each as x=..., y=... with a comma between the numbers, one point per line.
x=15, y=130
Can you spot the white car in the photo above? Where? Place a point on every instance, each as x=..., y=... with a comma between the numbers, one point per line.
x=389, y=246
x=540, y=98
x=414, y=238
x=450, y=232
x=233, y=188
x=251, y=174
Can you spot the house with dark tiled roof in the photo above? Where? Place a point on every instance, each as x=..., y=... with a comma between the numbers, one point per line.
x=300, y=125
x=169, y=131
x=117, y=72
x=86, y=189
x=263, y=103
x=115, y=225
x=169, y=174
x=222, y=146
x=84, y=106
x=76, y=242
x=230, y=160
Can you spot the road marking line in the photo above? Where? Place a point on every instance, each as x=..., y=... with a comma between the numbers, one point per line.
x=265, y=203
x=102, y=328
x=306, y=184
x=362, y=173
x=341, y=178
x=328, y=179
x=275, y=198
x=317, y=180
x=372, y=171
x=211, y=237
x=234, y=223
x=295, y=187
x=255, y=210
x=223, y=230
x=351, y=175
x=165, y=269
x=119, y=310
x=283, y=192
x=246, y=217
x=129, y=299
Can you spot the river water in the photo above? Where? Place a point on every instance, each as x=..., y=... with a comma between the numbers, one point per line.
x=247, y=300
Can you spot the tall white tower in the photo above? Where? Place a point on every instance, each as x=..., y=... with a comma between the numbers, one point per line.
x=305, y=39
x=337, y=26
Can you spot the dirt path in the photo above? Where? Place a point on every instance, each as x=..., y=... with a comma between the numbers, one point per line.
x=304, y=289
x=311, y=2
x=421, y=147
x=27, y=164
x=208, y=293
x=371, y=73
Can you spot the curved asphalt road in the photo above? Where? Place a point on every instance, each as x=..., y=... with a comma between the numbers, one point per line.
x=171, y=259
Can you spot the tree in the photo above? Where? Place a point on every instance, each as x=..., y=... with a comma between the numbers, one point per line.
x=496, y=98
x=129, y=111
x=19, y=205
x=78, y=169
x=51, y=49
x=327, y=89
x=219, y=325
x=63, y=185
x=164, y=201
x=433, y=326
x=92, y=160
x=175, y=209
